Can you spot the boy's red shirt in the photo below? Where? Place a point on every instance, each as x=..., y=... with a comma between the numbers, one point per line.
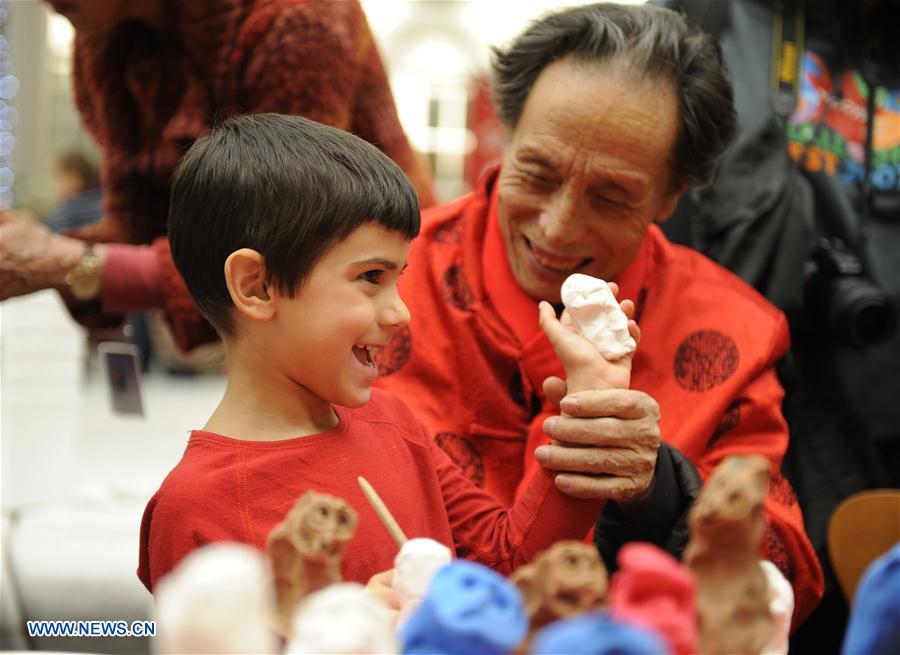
x=233, y=490
x=472, y=361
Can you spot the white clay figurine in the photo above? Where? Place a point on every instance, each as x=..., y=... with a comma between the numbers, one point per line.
x=597, y=315
x=415, y=565
x=219, y=599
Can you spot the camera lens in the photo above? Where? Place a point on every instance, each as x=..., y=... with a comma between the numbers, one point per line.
x=858, y=311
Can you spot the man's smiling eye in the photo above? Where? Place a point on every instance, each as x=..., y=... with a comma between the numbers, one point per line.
x=537, y=177
x=604, y=200
x=373, y=276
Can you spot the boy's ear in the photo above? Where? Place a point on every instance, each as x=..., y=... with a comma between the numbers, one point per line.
x=245, y=275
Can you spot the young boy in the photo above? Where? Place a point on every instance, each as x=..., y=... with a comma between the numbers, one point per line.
x=291, y=236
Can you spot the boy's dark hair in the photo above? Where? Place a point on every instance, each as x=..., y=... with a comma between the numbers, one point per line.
x=654, y=42
x=285, y=186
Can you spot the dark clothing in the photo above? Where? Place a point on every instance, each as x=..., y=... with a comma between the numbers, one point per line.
x=662, y=520
x=787, y=183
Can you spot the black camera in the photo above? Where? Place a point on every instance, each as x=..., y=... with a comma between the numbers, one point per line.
x=849, y=304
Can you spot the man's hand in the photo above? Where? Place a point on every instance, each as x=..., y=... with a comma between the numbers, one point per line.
x=609, y=440
x=32, y=257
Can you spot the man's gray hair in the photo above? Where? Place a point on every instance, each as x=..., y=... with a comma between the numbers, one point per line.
x=653, y=42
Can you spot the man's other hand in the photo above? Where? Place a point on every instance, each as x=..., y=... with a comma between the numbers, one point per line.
x=607, y=443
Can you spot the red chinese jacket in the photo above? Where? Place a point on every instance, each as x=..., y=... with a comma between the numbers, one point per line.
x=473, y=359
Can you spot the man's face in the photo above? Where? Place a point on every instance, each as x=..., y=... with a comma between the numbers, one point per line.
x=585, y=172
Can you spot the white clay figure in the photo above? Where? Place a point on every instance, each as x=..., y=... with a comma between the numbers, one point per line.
x=219, y=599
x=414, y=566
x=341, y=618
x=597, y=315
x=781, y=604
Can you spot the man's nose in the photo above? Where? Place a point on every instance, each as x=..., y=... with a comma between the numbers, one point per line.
x=559, y=219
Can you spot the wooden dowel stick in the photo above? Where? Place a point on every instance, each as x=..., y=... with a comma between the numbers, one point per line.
x=381, y=510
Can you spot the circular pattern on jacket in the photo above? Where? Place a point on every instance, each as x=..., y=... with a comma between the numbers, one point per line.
x=455, y=289
x=464, y=454
x=705, y=359
x=396, y=354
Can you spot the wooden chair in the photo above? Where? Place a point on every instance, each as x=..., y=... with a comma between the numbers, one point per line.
x=861, y=529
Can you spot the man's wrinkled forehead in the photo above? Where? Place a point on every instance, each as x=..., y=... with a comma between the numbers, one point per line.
x=590, y=114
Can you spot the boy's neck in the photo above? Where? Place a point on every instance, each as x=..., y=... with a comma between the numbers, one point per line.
x=263, y=405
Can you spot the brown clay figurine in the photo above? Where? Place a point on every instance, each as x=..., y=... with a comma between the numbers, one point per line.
x=726, y=525
x=305, y=549
x=566, y=579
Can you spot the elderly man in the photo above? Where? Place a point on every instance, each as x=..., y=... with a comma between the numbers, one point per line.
x=612, y=112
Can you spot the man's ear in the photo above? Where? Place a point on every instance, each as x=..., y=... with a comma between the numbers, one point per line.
x=245, y=275
x=669, y=204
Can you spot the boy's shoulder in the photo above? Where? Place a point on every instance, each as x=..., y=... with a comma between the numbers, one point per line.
x=211, y=464
x=206, y=465
x=385, y=409
x=196, y=504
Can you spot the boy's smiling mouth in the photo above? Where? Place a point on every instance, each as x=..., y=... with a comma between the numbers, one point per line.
x=366, y=354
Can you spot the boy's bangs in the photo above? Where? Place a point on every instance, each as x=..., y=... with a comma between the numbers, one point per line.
x=393, y=206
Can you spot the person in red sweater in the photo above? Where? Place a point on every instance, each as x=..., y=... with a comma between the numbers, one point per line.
x=149, y=77
x=613, y=113
x=291, y=237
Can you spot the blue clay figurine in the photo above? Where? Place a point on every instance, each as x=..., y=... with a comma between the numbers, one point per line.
x=597, y=634
x=874, y=627
x=468, y=609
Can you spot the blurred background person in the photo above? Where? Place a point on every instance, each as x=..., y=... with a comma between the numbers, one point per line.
x=77, y=188
x=150, y=76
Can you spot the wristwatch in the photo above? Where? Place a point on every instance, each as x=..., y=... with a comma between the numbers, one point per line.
x=84, y=280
